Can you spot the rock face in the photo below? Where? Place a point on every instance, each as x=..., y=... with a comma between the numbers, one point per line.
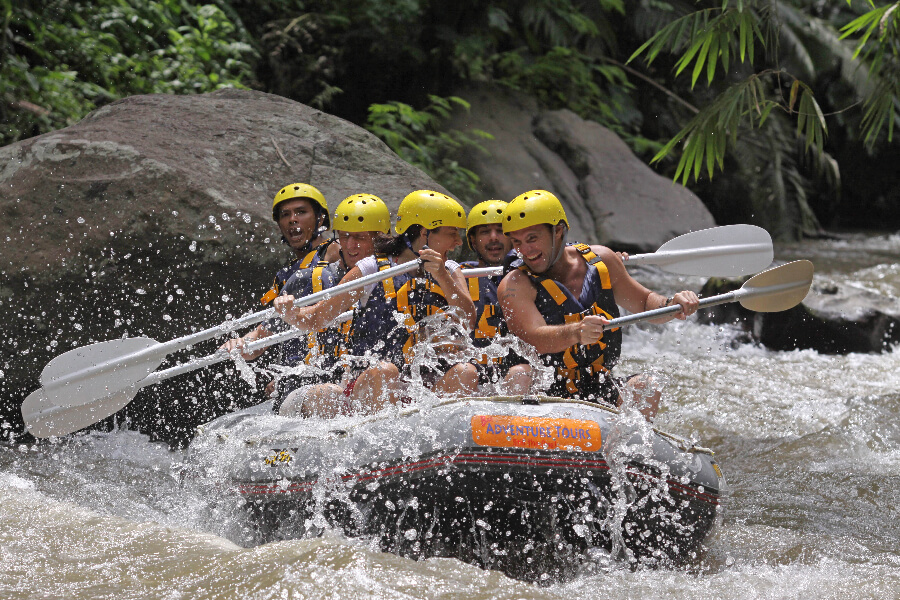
x=833, y=319
x=610, y=196
x=152, y=216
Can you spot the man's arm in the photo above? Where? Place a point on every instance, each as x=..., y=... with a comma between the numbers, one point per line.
x=634, y=297
x=517, y=295
x=257, y=334
x=318, y=316
x=458, y=295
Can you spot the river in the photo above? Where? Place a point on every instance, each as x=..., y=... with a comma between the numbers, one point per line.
x=809, y=443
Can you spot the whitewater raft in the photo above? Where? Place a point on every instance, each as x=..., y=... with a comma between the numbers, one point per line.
x=531, y=486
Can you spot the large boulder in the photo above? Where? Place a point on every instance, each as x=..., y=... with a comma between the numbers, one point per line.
x=610, y=196
x=152, y=216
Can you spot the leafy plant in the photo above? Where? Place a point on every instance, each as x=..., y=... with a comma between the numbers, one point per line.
x=719, y=43
x=418, y=136
x=61, y=59
x=880, y=47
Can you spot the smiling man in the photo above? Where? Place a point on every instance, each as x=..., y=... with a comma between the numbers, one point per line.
x=561, y=295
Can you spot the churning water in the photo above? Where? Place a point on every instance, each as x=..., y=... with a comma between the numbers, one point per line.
x=809, y=443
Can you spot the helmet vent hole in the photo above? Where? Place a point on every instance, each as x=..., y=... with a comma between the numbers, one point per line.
x=360, y=219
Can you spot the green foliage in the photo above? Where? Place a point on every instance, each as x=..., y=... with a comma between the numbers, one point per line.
x=418, y=136
x=566, y=78
x=61, y=59
x=706, y=38
x=880, y=47
x=726, y=35
x=772, y=73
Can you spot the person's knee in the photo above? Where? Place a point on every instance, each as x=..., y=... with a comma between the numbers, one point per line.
x=292, y=406
x=461, y=377
x=325, y=400
x=519, y=371
x=643, y=394
x=518, y=379
x=388, y=371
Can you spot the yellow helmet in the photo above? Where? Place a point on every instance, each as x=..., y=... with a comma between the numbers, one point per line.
x=430, y=210
x=303, y=191
x=484, y=213
x=536, y=207
x=362, y=212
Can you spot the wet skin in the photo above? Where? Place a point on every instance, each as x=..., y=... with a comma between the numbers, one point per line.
x=490, y=244
x=355, y=246
x=298, y=223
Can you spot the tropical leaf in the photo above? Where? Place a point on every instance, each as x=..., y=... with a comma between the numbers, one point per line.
x=879, y=45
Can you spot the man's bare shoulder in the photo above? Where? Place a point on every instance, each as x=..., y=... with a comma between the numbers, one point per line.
x=605, y=254
x=515, y=281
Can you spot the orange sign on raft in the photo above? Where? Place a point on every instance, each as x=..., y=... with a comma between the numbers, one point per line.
x=535, y=432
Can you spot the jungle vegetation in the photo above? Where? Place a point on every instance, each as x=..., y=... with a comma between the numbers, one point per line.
x=789, y=105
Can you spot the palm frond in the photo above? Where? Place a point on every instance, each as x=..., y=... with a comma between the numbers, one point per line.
x=707, y=38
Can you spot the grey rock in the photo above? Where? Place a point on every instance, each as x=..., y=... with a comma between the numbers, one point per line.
x=152, y=216
x=610, y=196
x=833, y=319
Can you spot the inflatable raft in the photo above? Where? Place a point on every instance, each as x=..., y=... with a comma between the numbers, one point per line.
x=531, y=486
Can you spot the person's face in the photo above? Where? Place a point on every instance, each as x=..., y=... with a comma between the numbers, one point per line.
x=535, y=244
x=297, y=221
x=490, y=243
x=355, y=246
x=443, y=239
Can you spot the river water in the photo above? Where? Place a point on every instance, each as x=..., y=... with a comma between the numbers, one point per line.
x=809, y=443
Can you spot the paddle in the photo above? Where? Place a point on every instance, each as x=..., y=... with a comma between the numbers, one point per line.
x=43, y=418
x=727, y=251
x=774, y=290
x=99, y=370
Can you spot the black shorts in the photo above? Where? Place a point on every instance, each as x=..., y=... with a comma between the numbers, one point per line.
x=493, y=372
x=602, y=388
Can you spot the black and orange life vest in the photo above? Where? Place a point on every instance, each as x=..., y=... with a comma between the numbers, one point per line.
x=310, y=259
x=580, y=369
x=489, y=318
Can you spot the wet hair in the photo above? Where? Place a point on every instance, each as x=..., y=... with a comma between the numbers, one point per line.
x=395, y=245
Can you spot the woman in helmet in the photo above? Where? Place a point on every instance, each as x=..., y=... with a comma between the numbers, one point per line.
x=359, y=221
x=428, y=228
x=561, y=295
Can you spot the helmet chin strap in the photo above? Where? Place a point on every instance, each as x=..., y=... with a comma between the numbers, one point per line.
x=556, y=253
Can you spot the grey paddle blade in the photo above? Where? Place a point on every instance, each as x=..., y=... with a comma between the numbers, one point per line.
x=43, y=418
x=727, y=251
x=777, y=289
x=84, y=374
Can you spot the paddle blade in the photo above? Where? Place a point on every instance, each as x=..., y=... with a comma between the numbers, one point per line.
x=727, y=251
x=81, y=375
x=43, y=418
x=777, y=289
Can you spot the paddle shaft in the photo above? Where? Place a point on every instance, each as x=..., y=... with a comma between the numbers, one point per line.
x=662, y=258
x=735, y=296
x=222, y=355
x=159, y=350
